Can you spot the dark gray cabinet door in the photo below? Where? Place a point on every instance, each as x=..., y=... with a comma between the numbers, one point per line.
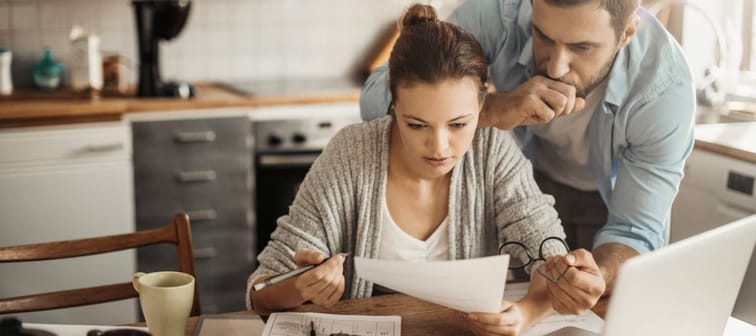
x=202, y=167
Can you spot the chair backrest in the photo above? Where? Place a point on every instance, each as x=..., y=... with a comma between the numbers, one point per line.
x=177, y=232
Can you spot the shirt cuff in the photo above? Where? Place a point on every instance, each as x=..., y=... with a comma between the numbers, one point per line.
x=638, y=244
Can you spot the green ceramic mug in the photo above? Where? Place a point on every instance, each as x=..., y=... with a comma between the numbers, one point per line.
x=166, y=299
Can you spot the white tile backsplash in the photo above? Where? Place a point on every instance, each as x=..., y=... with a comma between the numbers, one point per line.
x=85, y=13
x=4, y=16
x=23, y=15
x=54, y=15
x=223, y=39
x=5, y=39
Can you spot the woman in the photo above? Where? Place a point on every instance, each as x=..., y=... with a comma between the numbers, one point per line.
x=420, y=184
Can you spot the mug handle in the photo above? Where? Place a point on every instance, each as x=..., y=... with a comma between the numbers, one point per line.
x=135, y=281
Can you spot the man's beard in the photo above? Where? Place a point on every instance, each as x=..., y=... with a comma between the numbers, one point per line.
x=594, y=81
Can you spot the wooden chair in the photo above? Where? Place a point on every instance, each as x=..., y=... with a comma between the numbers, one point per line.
x=177, y=232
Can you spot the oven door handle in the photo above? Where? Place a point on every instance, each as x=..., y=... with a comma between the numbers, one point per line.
x=279, y=160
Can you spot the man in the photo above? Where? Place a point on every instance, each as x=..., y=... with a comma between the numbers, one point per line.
x=600, y=97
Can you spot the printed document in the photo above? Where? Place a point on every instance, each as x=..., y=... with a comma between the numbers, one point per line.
x=470, y=285
x=303, y=324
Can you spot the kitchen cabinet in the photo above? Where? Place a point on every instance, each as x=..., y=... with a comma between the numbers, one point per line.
x=200, y=165
x=719, y=187
x=67, y=182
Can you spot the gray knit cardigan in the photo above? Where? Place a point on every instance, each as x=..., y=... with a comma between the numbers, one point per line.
x=493, y=198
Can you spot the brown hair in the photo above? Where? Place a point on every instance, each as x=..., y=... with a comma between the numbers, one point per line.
x=429, y=50
x=620, y=10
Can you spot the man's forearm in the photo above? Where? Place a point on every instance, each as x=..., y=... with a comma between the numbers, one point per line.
x=486, y=113
x=609, y=258
x=496, y=112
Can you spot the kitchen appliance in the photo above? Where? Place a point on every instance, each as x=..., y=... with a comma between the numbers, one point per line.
x=158, y=20
x=717, y=190
x=67, y=182
x=288, y=139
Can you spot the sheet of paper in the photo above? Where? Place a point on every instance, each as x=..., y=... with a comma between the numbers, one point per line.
x=230, y=325
x=73, y=329
x=299, y=324
x=588, y=320
x=471, y=285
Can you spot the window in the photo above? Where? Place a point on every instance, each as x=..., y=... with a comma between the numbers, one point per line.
x=749, y=36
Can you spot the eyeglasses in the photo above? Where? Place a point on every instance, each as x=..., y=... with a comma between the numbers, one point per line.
x=518, y=249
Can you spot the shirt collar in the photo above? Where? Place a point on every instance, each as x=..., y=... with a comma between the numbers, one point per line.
x=526, y=58
x=617, y=80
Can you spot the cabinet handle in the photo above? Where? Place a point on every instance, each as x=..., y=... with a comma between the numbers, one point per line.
x=192, y=137
x=202, y=215
x=296, y=160
x=106, y=147
x=195, y=176
x=205, y=253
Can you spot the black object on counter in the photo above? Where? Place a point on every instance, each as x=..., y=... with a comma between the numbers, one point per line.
x=11, y=326
x=158, y=20
x=118, y=332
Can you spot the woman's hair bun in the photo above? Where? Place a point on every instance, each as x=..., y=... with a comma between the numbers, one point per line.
x=418, y=14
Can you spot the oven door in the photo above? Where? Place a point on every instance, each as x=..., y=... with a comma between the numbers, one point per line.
x=278, y=176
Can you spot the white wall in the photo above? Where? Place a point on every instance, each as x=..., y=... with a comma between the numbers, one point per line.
x=223, y=40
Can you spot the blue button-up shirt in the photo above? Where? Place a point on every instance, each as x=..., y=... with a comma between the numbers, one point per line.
x=639, y=137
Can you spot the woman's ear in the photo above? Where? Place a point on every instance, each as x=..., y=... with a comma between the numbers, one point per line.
x=482, y=93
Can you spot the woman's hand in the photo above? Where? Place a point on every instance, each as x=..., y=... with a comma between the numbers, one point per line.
x=510, y=321
x=324, y=284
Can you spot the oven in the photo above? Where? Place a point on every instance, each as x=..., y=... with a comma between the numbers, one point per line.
x=288, y=139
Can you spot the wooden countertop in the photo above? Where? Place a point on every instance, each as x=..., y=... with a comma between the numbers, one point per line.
x=35, y=108
x=736, y=140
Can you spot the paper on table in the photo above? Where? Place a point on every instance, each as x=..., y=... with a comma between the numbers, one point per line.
x=471, y=285
x=298, y=324
x=229, y=325
x=588, y=320
x=73, y=329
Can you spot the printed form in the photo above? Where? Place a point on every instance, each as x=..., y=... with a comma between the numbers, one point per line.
x=302, y=324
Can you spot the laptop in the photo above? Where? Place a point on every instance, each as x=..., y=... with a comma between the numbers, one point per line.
x=687, y=288
x=745, y=306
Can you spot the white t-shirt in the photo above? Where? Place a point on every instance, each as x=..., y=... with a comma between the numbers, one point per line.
x=562, y=146
x=398, y=245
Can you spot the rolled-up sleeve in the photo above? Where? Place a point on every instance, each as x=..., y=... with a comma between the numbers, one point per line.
x=648, y=174
x=375, y=97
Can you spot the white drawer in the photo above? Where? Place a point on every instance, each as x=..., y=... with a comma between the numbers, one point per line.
x=75, y=143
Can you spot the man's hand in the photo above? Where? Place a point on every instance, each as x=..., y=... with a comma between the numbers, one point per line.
x=324, y=284
x=539, y=100
x=579, y=283
x=610, y=257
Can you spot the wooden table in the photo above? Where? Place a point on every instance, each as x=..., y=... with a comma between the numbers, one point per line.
x=418, y=317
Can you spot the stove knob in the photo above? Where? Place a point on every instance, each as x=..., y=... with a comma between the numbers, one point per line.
x=298, y=138
x=274, y=140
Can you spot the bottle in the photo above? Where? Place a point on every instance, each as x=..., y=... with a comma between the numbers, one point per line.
x=6, y=85
x=86, y=62
x=48, y=73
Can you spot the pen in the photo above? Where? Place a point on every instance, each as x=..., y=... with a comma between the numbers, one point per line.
x=290, y=274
